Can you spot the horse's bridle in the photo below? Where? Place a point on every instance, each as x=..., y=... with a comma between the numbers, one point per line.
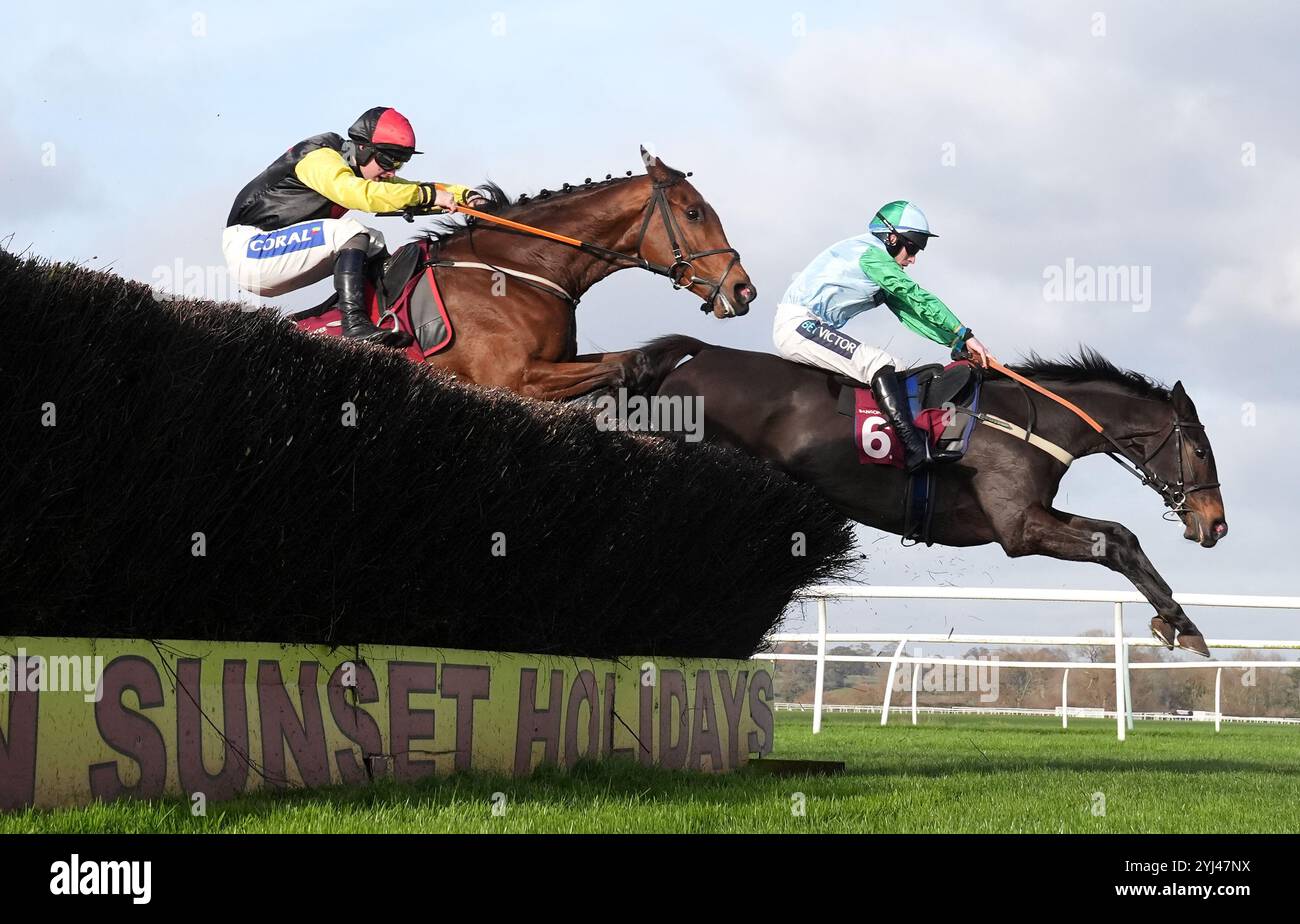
x=1174, y=494
x=682, y=270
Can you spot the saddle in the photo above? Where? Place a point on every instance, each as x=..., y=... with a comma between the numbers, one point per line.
x=928, y=387
x=393, y=273
x=944, y=403
x=399, y=294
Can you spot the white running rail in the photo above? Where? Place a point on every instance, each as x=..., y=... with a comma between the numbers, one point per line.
x=1120, y=664
x=1078, y=712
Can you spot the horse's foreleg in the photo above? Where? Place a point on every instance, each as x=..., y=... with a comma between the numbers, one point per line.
x=1128, y=558
x=1068, y=536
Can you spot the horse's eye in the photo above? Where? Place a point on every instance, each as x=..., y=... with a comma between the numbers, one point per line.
x=1200, y=453
x=693, y=214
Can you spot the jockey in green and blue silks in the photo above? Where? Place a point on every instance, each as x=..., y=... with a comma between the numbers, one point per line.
x=856, y=275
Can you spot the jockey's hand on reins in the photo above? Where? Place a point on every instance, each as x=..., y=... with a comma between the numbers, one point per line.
x=969, y=357
x=979, y=356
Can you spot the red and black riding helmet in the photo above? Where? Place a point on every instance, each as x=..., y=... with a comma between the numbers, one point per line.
x=387, y=134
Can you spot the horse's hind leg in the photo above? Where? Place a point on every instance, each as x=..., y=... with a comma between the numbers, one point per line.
x=1044, y=531
x=558, y=381
x=637, y=371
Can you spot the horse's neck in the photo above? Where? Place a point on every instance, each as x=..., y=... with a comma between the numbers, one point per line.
x=607, y=216
x=1121, y=414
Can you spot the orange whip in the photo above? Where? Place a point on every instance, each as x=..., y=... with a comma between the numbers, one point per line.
x=409, y=216
x=528, y=229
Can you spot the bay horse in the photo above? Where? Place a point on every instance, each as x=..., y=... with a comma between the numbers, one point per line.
x=511, y=295
x=1002, y=489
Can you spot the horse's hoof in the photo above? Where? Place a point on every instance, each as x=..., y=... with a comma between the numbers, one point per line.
x=1193, y=642
x=1163, y=631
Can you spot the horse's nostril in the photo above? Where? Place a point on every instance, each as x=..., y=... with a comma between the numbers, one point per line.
x=746, y=293
x=1220, y=529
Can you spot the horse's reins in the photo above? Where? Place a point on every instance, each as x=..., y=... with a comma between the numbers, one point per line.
x=1173, y=494
x=681, y=272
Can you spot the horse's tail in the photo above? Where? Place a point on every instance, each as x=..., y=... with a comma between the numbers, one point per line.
x=664, y=353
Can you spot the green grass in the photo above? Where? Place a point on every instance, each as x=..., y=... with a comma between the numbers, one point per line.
x=949, y=774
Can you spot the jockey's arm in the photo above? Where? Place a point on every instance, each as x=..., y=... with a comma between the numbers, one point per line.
x=325, y=171
x=919, y=310
x=462, y=194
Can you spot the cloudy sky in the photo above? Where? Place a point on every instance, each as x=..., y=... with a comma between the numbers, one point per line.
x=1036, y=136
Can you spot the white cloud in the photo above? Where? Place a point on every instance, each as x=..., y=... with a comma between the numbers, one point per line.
x=1253, y=286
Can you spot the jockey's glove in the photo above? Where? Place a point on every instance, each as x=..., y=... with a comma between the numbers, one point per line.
x=429, y=192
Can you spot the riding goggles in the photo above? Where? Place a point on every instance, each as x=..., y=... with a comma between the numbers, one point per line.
x=392, y=159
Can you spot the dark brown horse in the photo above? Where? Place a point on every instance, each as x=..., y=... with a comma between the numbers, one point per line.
x=1002, y=489
x=511, y=296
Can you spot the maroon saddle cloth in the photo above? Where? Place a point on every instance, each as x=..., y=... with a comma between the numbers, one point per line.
x=404, y=295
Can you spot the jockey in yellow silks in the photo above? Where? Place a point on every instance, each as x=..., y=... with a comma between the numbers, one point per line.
x=286, y=228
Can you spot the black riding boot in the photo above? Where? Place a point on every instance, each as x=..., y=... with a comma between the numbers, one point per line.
x=350, y=284
x=893, y=401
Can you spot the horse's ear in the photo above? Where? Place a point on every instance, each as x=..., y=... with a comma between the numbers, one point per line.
x=655, y=167
x=1178, y=397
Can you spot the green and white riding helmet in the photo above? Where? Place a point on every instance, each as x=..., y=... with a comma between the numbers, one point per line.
x=904, y=219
